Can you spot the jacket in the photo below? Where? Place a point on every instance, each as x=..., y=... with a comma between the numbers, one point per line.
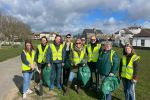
x=57, y=48
x=104, y=63
x=73, y=67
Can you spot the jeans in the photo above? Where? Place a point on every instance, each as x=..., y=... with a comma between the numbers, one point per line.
x=56, y=67
x=129, y=89
x=91, y=78
x=27, y=76
x=108, y=96
x=71, y=76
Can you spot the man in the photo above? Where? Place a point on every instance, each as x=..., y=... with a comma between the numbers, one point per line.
x=93, y=51
x=67, y=46
x=107, y=64
x=83, y=42
x=41, y=52
x=58, y=60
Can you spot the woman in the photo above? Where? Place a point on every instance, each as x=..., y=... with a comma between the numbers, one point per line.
x=76, y=55
x=128, y=71
x=28, y=66
x=107, y=63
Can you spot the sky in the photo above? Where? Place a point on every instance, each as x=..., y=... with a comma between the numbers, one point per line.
x=73, y=16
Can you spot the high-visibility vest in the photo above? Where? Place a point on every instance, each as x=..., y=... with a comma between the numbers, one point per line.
x=42, y=54
x=30, y=59
x=127, y=71
x=111, y=56
x=70, y=43
x=56, y=54
x=93, y=56
x=85, y=47
x=76, y=57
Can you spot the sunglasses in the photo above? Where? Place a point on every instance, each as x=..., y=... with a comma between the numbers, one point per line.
x=92, y=39
x=78, y=43
x=82, y=40
x=69, y=37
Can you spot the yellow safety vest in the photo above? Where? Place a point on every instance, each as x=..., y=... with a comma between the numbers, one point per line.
x=111, y=56
x=93, y=56
x=30, y=59
x=76, y=57
x=42, y=54
x=127, y=71
x=65, y=43
x=56, y=54
x=85, y=47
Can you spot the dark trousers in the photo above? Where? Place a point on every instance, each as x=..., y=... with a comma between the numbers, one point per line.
x=92, y=66
x=66, y=73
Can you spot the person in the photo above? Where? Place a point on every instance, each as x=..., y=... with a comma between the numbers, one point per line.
x=41, y=52
x=76, y=55
x=107, y=64
x=56, y=48
x=128, y=71
x=67, y=46
x=28, y=66
x=93, y=50
x=83, y=42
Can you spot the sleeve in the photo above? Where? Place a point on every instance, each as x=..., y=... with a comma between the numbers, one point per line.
x=48, y=55
x=114, y=68
x=36, y=55
x=63, y=55
x=71, y=57
x=120, y=67
x=87, y=50
x=23, y=59
x=135, y=69
x=86, y=58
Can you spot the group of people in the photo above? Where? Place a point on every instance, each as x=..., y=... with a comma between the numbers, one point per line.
x=103, y=62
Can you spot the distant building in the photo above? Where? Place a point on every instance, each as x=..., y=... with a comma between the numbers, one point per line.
x=142, y=38
x=89, y=32
x=36, y=36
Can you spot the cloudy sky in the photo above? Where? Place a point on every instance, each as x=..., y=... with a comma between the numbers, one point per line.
x=73, y=16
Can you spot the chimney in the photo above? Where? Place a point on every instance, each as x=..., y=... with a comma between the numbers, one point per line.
x=94, y=29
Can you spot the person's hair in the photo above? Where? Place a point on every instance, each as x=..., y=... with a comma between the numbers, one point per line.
x=57, y=36
x=93, y=36
x=68, y=35
x=28, y=41
x=82, y=36
x=45, y=38
x=109, y=43
x=79, y=41
x=128, y=45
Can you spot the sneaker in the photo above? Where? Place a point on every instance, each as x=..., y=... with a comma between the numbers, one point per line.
x=29, y=91
x=90, y=88
x=51, y=87
x=24, y=96
x=59, y=87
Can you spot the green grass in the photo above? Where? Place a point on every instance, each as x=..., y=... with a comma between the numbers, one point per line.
x=142, y=86
x=10, y=53
x=38, y=41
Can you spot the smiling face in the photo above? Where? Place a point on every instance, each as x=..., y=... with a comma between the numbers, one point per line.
x=93, y=39
x=57, y=40
x=44, y=40
x=107, y=47
x=28, y=46
x=128, y=50
x=78, y=44
x=68, y=38
x=83, y=40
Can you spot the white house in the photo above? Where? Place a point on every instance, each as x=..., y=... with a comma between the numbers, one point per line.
x=142, y=38
x=49, y=35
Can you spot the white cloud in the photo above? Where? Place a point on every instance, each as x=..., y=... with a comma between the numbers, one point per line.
x=65, y=16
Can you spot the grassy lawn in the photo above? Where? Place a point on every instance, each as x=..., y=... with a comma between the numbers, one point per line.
x=38, y=41
x=8, y=53
x=142, y=86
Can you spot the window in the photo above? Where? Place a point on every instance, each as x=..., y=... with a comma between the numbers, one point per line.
x=142, y=42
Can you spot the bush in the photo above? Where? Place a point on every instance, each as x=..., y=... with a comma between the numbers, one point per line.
x=15, y=46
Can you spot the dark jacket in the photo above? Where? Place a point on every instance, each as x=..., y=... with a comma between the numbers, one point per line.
x=57, y=46
x=24, y=60
x=75, y=68
x=104, y=63
x=37, y=52
x=135, y=66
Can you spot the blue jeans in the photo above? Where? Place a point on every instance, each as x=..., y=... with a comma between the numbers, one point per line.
x=108, y=96
x=91, y=78
x=129, y=89
x=56, y=67
x=71, y=76
x=27, y=76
